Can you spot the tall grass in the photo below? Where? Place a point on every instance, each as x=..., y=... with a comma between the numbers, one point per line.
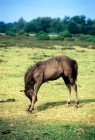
x=51, y=119
x=32, y=42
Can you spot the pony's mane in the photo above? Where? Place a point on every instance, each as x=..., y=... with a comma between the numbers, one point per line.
x=27, y=72
x=29, y=69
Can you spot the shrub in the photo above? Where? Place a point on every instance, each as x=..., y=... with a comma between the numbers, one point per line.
x=21, y=32
x=42, y=36
x=10, y=33
x=88, y=37
x=26, y=34
x=60, y=37
x=66, y=34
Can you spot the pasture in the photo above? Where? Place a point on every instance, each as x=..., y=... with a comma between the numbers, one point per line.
x=51, y=119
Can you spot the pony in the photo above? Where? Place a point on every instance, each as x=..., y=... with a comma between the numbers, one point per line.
x=51, y=69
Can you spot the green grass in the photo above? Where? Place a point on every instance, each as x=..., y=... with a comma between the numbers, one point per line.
x=26, y=130
x=51, y=119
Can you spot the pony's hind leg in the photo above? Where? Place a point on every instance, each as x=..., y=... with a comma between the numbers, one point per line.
x=74, y=85
x=68, y=85
x=76, y=95
x=69, y=94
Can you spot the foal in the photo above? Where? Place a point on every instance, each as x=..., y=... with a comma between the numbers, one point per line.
x=51, y=69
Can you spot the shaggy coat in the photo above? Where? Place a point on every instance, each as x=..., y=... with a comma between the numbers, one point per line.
x=51, y=69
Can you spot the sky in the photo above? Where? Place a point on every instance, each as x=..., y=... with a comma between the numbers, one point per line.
x=13, y=10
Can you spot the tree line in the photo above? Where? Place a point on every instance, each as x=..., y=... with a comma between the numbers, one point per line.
x=75, y=25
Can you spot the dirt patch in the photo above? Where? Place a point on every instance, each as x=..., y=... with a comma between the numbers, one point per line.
x=5, y=132
x=8, y=100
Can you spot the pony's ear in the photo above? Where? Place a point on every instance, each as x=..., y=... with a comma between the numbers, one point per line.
x=22, y=90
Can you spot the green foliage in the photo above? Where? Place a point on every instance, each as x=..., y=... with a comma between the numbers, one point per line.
x=66, y=34
x=10, y=33
x=26, y=34
x=73, y=28
x=75, y=25
x=30, y=27
x=88, y=30
x=21, y=32
x=2, y=27
x=79, y=19
x=62, y=35
x=87, y=37
x=42, y=36
x=21, y=23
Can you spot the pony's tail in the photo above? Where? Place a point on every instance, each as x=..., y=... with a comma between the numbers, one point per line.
x=75, y=70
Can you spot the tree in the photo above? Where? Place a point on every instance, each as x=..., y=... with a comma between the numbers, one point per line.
x=45, y=22
x=88, y=30
x=57, y=25
x=89, y=22
x=21, y=23
x=75, y=24
x=83, y=19
x=66, y=20
x=30, y=27
x=11, y=27
x=2, y=27
x=79, y=19
x=73, y=28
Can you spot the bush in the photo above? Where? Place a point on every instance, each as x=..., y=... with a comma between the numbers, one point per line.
x=26, y=34
x=66, y=34
x=42, y=36
x=21, y=32
x=60, y=37
x=10, y=33
x=88, y=37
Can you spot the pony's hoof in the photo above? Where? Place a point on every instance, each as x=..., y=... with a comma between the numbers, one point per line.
x=76, y=106
x=27, y=109
x=67, y=105
x=29, y=112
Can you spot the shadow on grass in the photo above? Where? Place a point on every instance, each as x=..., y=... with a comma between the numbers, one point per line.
x=87, y=101
x=50, y=105
x=56, y=104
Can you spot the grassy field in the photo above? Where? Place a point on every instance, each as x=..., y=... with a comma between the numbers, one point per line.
x=51, y=119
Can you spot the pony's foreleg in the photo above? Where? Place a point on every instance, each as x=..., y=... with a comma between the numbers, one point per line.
x=29, y=95
x=69, y=94
x=27, y=109
x=34, y=97
x=76, y=95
